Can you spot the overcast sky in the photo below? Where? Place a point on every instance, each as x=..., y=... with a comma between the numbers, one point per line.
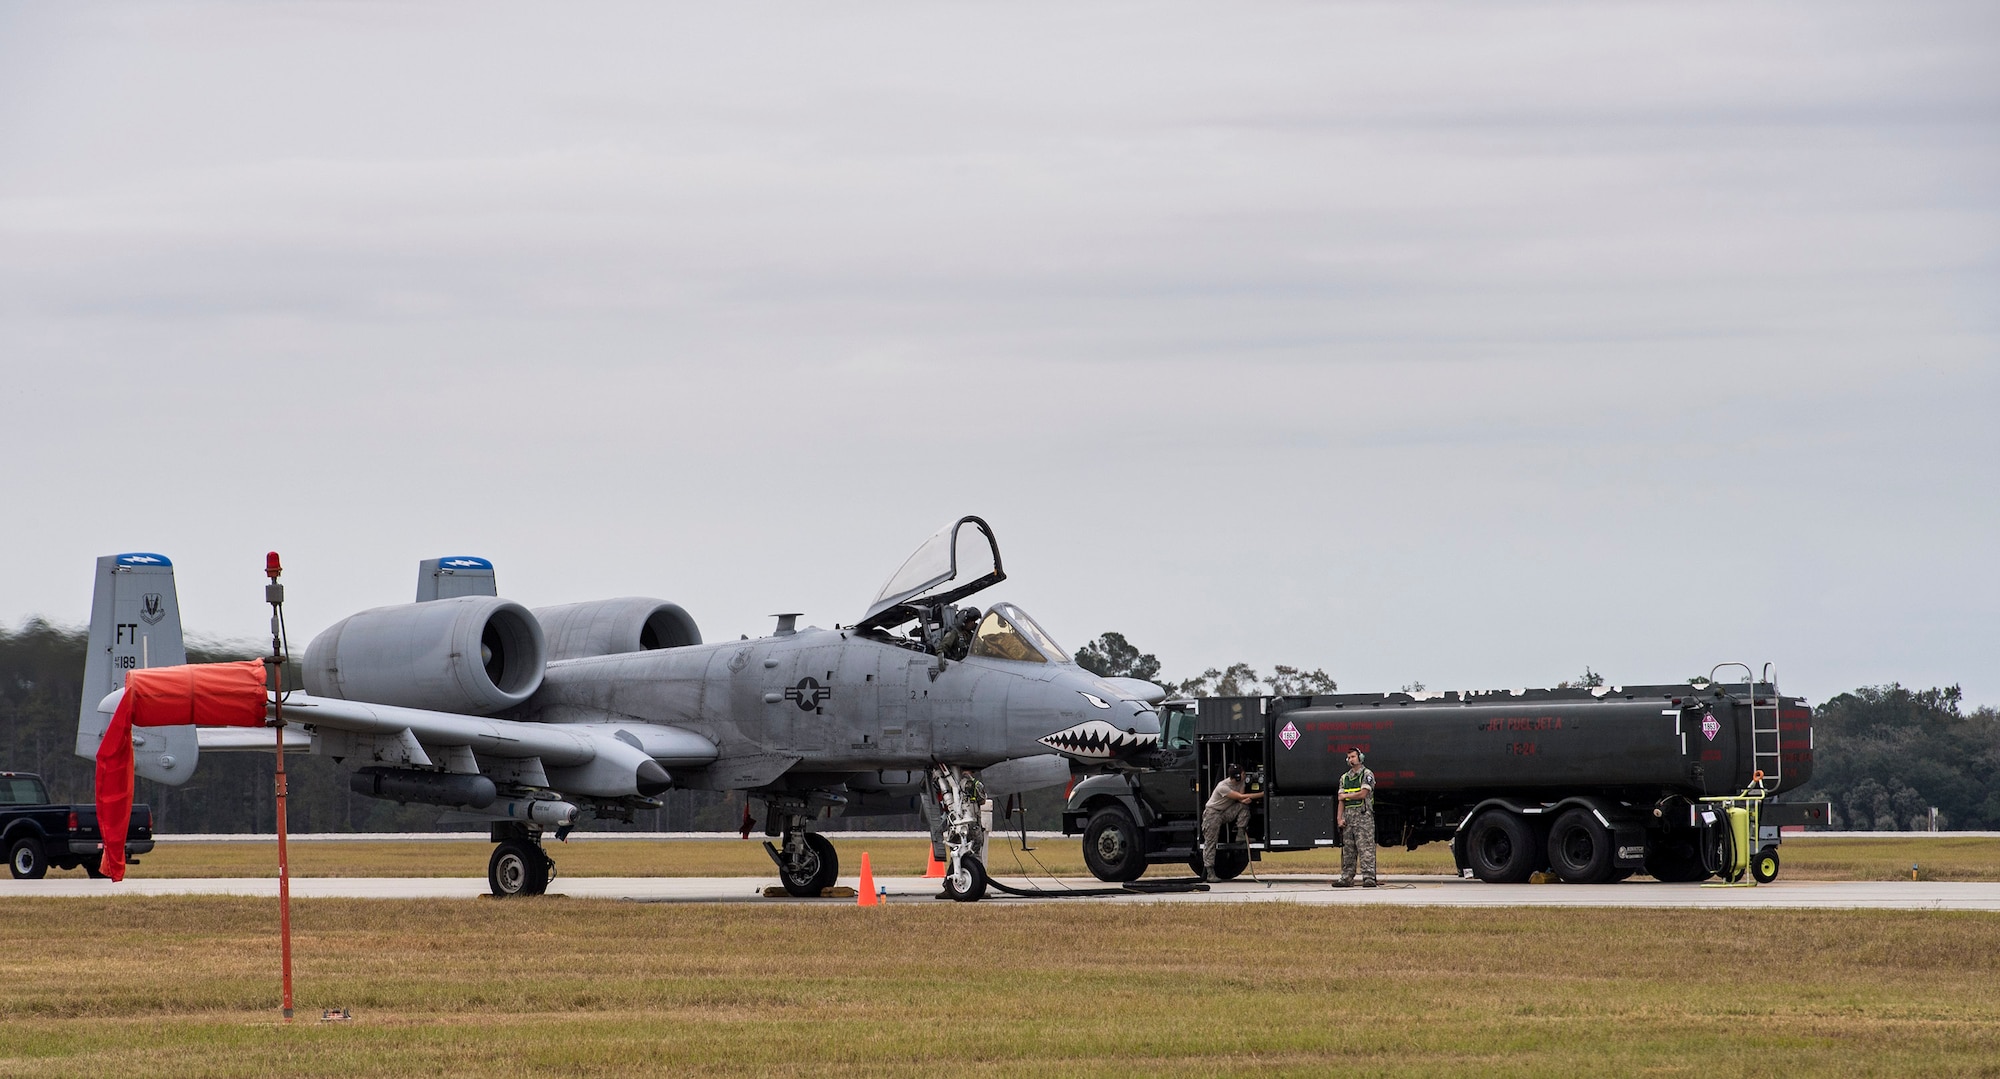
x=1468, y=344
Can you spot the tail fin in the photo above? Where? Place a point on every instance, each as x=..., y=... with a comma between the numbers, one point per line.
x=135, y=621
x=447, y=578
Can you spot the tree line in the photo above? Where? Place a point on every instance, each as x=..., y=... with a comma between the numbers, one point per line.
x=1885, y=755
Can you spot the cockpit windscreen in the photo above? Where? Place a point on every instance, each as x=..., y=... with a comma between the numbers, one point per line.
x=1008, y=633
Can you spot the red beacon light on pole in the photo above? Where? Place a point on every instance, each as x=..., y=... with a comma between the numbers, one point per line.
x=274, y=594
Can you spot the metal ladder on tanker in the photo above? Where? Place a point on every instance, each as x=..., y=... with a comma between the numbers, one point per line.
x=1766, y=745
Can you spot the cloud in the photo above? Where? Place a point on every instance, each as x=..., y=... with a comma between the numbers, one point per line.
x=1458, y=342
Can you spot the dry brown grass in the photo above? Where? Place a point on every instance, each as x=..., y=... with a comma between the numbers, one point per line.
x=187, y=986
x=1804, y=859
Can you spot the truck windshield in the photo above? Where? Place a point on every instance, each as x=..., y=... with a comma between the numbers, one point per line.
x=1180, y=728
x=22, y=791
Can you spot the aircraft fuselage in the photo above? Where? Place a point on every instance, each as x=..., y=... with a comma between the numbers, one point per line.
x=842, y=701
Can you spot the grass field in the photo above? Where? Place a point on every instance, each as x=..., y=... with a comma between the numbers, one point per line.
x=138, y=987
x=1804, y=859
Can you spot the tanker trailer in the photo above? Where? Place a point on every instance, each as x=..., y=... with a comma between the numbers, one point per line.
x=1594, y=784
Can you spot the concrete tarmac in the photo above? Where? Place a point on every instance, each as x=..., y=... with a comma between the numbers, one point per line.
x=1395, y=891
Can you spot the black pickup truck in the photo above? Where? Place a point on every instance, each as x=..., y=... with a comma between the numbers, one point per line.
x=37, y=835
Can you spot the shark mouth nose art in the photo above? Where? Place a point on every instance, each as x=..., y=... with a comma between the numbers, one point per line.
x=1098, y=740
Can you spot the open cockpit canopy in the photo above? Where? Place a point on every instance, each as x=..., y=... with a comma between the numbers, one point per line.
x=957, y=560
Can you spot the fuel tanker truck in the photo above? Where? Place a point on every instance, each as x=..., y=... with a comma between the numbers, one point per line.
x=1592, y=784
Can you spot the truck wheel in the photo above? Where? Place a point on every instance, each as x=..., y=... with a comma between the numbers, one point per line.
x=1674, y=859
x=1580, y=848
x=26, y=860
x=1230, y=864
x=1500, y=847
x=1112, y=848
x=1764, y=866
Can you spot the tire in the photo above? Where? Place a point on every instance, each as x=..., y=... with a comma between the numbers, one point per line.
x=1580, y=848
x=1673, y=858
x=94, y=869
x=517, y=868
x=1230, y=864
x=1500, y=847
x=816, y=870
x=1112, y=847
x=1764, y=865
x=26, y=859
x=968, y=885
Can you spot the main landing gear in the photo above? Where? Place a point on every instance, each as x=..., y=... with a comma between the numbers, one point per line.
x=956, y=791
x=519, y=866
x=807, y=862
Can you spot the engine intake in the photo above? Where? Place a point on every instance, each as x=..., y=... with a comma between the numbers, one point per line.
x=615, y=626
x=474, y=654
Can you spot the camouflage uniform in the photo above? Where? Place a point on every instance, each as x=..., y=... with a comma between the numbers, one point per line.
x=1357, y=838
x=1221, y=810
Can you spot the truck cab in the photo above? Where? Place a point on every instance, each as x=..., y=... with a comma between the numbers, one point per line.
x=37, y=833
x=1130, y=820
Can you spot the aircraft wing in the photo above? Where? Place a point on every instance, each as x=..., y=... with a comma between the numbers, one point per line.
x=599, y=759
x=238, y=739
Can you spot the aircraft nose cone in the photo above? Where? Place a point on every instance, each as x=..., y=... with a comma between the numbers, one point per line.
x=652, y=779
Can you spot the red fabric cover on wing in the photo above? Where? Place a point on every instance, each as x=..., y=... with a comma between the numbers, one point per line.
x=204, y=694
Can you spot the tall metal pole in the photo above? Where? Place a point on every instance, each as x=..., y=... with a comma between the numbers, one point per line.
x=274, y=594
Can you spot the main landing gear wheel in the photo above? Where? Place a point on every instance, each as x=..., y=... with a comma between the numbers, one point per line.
x=812, y=868
x=26, y=859
x=1111, y=847
x=966, y=883
x=1764, y=866
x=518, y=867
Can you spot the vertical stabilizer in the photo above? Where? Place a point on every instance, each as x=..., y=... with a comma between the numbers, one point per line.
x=135, y=621
x=449, y=578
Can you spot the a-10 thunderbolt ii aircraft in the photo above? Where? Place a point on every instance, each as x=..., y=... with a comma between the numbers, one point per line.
x=535, y=720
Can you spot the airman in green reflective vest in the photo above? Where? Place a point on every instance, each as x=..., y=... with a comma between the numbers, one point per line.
x=1355, y=813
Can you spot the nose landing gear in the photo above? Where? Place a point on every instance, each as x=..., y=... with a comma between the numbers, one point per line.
x=957, y=794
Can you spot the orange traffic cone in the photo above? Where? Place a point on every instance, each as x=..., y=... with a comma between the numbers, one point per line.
x=867, y=898
x=934, y=868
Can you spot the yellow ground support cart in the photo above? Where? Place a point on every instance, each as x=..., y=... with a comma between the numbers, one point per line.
x=1735, y=849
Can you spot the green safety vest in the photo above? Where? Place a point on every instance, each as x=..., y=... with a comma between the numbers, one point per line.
x=1351, y=781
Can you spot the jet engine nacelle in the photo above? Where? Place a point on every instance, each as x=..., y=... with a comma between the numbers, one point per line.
x=475, y=654
x=610, y=627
